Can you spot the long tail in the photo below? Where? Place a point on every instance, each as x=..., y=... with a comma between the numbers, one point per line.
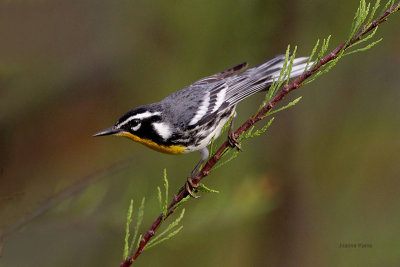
x=261, y=77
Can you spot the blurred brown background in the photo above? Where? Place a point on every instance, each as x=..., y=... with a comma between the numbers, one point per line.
x=326, y=172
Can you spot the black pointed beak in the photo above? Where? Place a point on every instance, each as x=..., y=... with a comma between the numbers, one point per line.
x=108, y=131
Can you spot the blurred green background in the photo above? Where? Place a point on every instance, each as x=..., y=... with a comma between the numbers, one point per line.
x=326, y=172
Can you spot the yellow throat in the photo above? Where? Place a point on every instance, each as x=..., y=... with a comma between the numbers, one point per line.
x=153, y=145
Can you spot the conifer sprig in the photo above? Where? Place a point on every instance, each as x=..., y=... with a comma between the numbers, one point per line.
x=362, y=30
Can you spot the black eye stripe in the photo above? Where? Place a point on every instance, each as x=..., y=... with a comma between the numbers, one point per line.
x=134, y=122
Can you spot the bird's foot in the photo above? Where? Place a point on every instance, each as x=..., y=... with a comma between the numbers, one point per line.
x=232, y=141
x=190, y=187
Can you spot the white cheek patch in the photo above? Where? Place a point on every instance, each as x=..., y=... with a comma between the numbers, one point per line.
x=162, y=129
x=136, y=127
x=202, y=109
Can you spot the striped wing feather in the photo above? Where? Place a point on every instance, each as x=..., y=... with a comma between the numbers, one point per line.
x=227, y=89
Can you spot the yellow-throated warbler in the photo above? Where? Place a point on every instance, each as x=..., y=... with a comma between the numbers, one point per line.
x=187, y=120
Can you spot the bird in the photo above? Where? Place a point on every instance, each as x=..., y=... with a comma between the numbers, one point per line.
x=189, y=119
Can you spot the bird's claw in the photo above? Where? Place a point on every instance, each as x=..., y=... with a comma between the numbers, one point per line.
x=190, y=186
x=233, y=142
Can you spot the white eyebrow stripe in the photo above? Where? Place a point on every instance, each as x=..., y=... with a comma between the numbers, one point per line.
x=143, y=115
x=202, y=109
x=162, y=129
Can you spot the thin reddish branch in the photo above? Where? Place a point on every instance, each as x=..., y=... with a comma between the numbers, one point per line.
x=205, y=171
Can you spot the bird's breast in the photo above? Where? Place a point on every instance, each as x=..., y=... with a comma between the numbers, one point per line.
x=168, y=149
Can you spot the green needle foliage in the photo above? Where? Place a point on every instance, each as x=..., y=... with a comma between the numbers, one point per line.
x=358, y=28
x=321, y=53
x=127, y=232
x=284, y=76
x=163, y=235
x=171, y=229
x=138, y=223
x=203, y=188
x=140, y=215
x=163, y=204
x=291, y=104
x=182, y=201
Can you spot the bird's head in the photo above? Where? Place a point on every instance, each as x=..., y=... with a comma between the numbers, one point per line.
x=141, y=122
x=145, y=125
